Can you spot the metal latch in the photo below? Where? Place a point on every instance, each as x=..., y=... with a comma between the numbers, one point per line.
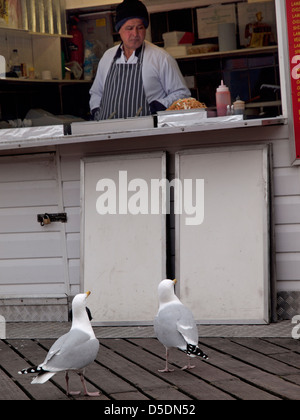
x=47, y=218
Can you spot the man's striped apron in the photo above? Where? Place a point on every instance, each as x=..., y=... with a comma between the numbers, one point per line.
x=124, y=93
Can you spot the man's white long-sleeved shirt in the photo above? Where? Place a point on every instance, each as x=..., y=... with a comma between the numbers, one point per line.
x=162, y=79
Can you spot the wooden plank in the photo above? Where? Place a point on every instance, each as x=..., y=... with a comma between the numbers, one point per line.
x=259, y=345
x=129, y=396
x=152, y=386
x=127, y=370
x=244, y=391
x=251, y=357
x=24, y=219
x=287, y=210
x=27, y=168
x=31, y=290
x=70, y=168
x=287, y=238
x=73, y=245
x=290, y=358
x=74, y=218
x=9, y=390
x=288, y=267
x=286, y=181
x=31, y=245
x=213, y=375
x=71, y=192
x=183, y=380
x=13, y=363
x=29, y=194
x=287, y=343
x=26, y=271
x=269, y=382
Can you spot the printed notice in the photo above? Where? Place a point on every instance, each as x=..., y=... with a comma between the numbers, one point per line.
x=210, y=17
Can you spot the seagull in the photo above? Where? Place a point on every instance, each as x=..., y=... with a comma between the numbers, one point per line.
x=72, y=351
x=174, y=325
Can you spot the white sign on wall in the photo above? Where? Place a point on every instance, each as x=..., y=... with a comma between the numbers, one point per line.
x=210, y=17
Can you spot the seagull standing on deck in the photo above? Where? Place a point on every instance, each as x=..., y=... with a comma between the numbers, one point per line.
x=72, y=351
x=174, y=325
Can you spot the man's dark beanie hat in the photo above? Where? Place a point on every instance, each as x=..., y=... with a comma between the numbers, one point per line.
x=131, y=9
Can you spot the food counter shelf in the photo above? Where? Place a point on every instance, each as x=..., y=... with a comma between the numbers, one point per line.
x=11, y=135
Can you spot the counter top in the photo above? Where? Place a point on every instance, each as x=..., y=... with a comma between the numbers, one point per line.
x=32, y=137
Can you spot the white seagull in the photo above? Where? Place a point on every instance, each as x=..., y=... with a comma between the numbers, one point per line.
x=72, y=351
x=174, y=324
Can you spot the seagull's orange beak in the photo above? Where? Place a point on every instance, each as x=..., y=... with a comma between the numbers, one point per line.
x=88, y=294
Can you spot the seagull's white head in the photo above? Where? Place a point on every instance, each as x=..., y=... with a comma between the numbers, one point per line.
x=80, y=300
x=166, y=292
x=79, y=307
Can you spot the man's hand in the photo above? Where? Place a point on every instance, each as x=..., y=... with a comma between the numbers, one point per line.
x=96, y=114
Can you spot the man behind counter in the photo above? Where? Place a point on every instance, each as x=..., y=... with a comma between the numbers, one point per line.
x=135, y=77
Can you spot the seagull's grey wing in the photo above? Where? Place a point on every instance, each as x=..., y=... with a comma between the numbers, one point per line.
x=75, y=350
x=187, y=327
x=55, y=348
x=165, y=326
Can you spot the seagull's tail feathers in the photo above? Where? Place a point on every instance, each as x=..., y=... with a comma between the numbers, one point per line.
x=192, y=350
x=43, y=376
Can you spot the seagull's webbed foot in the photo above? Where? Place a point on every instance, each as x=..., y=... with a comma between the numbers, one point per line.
x=92, y=394
x=68, y=390
x=73, y=392
x=166, y=370
x=86, y=392
x=188, y=366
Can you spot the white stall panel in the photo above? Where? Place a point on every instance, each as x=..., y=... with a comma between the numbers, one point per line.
x=123, y=254
x=222, y=263
x=32, y=257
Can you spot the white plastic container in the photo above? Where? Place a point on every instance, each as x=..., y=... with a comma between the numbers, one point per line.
x=227, y=36
x=172, y=39
x=223, y=99
x=238, y=107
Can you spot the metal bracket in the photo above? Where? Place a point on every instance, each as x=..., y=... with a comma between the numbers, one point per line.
x=47, y=218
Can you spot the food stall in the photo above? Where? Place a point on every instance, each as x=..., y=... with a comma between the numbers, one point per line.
x=117, y=205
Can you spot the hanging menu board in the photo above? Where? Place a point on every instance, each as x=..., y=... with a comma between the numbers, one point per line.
x=293, y=24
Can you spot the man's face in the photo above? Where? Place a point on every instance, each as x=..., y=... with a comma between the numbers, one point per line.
x=133, y=33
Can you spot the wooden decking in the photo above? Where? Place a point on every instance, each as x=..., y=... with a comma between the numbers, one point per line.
x=127, y=370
